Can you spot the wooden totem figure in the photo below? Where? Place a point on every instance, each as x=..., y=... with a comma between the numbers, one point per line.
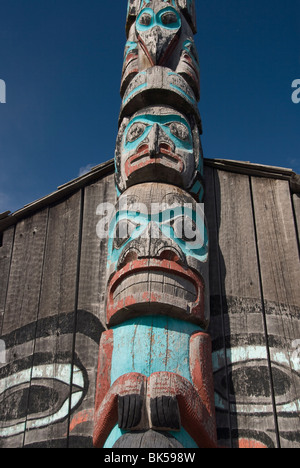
x=155, y=379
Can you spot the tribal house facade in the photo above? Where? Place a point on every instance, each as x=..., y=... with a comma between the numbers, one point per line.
x=144, y=291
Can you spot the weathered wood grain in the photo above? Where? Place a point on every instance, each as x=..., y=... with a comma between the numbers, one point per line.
x=91, y=300
x=280, y=273
x=92, y=287
x=5, y=261
x=21, y=310
x=39, y=281
x=57, y=298
x=217, y=316
x=296, y=203
x=60, y=264
x=239, y=308
x=147, y=439
x=25, y=276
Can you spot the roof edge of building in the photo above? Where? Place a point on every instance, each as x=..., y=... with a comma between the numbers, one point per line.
x=241, y=167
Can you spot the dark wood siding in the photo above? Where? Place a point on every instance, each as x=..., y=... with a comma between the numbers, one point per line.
x=52, y=297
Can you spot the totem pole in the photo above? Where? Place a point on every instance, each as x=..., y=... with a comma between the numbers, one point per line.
x=155, y=381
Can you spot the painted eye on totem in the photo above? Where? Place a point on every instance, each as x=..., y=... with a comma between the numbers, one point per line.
x=169, y=18
x=136, y=131
x=145, y=19
x=123, y=232
x=180, y=131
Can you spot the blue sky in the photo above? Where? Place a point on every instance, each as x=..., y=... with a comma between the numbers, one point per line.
x=61, y=61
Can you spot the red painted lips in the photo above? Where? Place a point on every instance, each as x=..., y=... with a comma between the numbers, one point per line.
x=150, y=286
x=143, y=158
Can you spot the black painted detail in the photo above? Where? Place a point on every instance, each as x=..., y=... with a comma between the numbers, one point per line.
x=165, y=412
x=129, y=411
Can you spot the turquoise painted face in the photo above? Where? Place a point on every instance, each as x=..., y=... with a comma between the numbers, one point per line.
x=158, y=240
x=149, y=231
x=159, y=144
x=175, y=128
x=180, y=227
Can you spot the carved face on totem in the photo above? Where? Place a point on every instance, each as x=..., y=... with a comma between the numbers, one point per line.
x=157, y=29
x=161, y=36
x=157, y=256
x=158, y=144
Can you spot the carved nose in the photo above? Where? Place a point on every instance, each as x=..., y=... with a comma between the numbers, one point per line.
x=153, y=43
x=156, y=246
x=156, y=43
x=154, y=141
x=152, y=244
x=158, y=137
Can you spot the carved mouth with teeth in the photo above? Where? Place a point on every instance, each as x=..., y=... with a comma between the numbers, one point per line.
x=144, y=161
x=155, y=286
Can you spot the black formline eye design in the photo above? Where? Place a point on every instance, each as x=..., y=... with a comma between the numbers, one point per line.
x=249, y=383
x=145, y=19
x=48, y=386
x=123, y=232
x=169, y=18
x=179, y=130
x=136, y=130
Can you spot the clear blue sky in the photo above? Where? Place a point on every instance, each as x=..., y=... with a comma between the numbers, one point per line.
x=62, y=60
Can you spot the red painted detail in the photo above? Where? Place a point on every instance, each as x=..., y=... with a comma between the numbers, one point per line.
x=106, y=416
x=188, y=61
x=163, y=59
x=170, y=50
x=198, y=420
x=251, y=444
x=131, y=56
x=146, y=296
x=150, y=297
x=196, y=417
x=81, y=417
x=201, y=369
x=155, y=298
x=146, y=52
x=169, y=255
x=142, y=159
x=129, y=71
x=196, y=312
x=104, y=366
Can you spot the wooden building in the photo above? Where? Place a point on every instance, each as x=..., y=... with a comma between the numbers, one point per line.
x=52, y=293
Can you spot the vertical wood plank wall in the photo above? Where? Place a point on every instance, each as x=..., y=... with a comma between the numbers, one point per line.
x=52, y=290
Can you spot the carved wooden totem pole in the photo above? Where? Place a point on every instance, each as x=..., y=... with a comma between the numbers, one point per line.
x=155, y=381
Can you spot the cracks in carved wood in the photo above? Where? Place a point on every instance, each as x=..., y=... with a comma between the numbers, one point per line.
x=154, y=383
